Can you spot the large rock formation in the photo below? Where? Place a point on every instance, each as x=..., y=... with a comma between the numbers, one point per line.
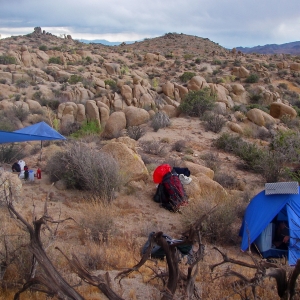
x=132, y=167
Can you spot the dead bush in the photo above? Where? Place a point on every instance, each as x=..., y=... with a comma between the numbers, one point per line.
x=212, y=161
x=226, y=180
x=179, y=146
x=135, y=132
x=213, y=122
x=154, y=147
x=84, y=168
x=160, y=120
x=218, y=227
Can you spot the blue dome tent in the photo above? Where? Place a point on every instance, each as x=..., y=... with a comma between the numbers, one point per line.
x=279, y=203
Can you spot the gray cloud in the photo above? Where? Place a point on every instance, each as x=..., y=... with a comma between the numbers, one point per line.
x=230, y=23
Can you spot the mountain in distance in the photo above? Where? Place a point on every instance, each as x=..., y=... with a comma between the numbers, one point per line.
x=287, y=48
x=104, y=42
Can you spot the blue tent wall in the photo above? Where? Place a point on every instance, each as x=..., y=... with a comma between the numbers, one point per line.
x=261, y=211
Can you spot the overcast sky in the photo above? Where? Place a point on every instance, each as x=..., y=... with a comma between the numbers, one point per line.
x=231, y=23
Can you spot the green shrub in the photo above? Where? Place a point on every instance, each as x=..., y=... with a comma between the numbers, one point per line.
x=252, y=78
x=112, y=84
x=88, y=128
x=75, y=79
x=7, y=60
x=288, y=144
x=55, y=60
x=196, y=103
x=160, y=120
x=84, y=168
x=43, y=47
x=227, y=142
x=186, y=76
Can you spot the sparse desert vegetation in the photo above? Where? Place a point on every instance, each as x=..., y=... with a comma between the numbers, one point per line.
x=231, y=118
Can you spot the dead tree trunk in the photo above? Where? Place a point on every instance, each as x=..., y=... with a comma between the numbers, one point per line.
x=54, y=282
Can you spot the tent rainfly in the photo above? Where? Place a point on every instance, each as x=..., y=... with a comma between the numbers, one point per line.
x=265, y=211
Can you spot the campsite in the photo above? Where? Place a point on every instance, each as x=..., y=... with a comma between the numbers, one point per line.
x=98, y=141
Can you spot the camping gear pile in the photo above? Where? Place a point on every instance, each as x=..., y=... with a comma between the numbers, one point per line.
x=170, y=192
x=159, y=253
x=279, y=202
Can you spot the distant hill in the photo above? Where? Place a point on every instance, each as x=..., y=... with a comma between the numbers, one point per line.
x=104, y=42
x=287, y=48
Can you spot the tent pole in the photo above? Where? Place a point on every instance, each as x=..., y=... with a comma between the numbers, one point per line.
x=41, y=150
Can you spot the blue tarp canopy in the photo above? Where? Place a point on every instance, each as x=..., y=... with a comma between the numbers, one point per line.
x=262, y=210
x=43, y=130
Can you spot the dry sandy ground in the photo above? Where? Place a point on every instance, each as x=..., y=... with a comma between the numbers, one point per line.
x=136, y=214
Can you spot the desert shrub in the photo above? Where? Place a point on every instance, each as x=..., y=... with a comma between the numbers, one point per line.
x=22, y=83
x=160, y=120
x=212, y=161
x=252, y=78
x=218, y=226
x=112, y=84
x=70, y=128
x=91, y=127
x=226, y=180
x=227, y=142
x=213, y=122
x=55, y=60
x=217, y=62
x=84, y=168
x=186, y=76
x=288, y=144
x=196, y=103
x=52, y=104
x=43, y=48
x=3, y=81
x=289, y=122
x=7, y=60
x=262, y=133
x=283, y=86
x=270, y=165
x=250, y=153
x=135, y=132
x=255, y=97
x=154, y=147
x=37, y=95
x=10, y=153
x=75, y=79
x=179, y=146
x=20, y=112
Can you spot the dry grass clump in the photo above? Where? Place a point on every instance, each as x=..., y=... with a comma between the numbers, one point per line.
x=97, y=221
x=212, y=161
